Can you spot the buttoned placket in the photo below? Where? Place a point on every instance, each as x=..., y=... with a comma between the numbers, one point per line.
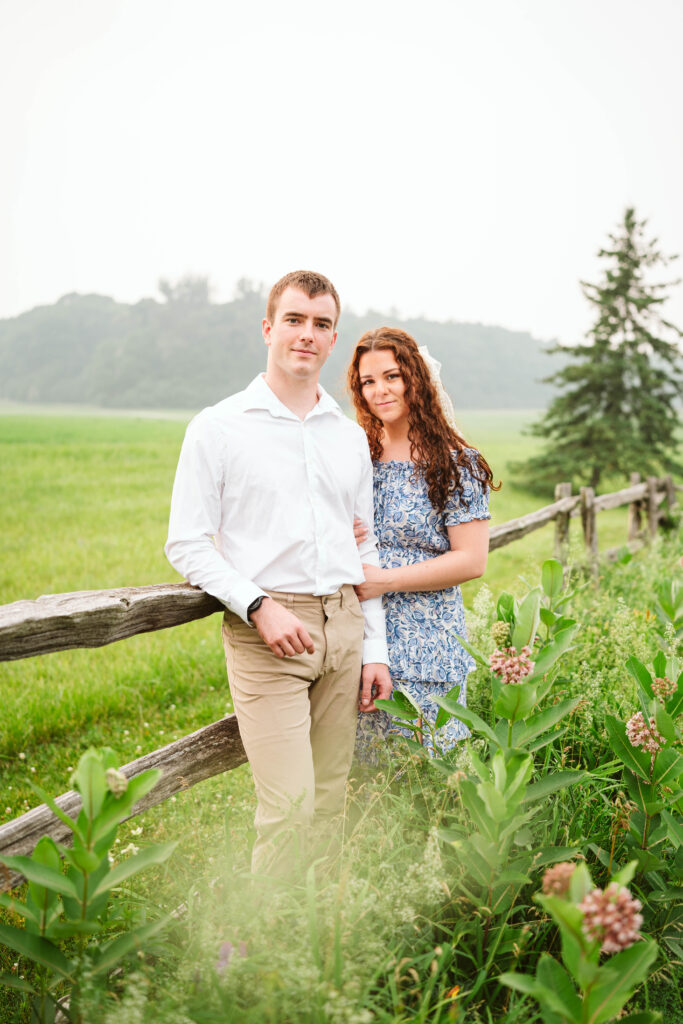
x=312, y=479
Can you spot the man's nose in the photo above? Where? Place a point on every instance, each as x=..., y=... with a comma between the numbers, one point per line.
x=306, y=330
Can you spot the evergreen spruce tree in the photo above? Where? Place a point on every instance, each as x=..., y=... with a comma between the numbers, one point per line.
x=617, y=411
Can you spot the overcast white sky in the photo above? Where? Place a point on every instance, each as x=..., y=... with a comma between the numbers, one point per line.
x=459, y=159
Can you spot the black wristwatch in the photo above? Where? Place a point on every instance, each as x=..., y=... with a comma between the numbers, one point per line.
x=254, y=606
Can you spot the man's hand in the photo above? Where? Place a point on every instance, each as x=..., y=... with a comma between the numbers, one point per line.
x=281, y=630
x=374, y=674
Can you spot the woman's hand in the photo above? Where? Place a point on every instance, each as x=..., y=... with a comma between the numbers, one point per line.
x=360, y=530
x=377, y=582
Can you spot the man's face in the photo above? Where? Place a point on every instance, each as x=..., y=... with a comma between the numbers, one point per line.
x=302, y=334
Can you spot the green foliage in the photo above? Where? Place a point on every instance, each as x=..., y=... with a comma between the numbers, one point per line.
x=584, y=991
x=393, y=919
x=618, y=407
x=73, y=905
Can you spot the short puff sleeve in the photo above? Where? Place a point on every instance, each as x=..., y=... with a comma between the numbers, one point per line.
x=470, y=500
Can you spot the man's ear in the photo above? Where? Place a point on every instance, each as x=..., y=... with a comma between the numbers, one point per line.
x=334, y=341
x=266, y=328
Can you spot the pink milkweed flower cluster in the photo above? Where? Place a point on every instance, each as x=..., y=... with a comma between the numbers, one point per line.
x=557, y=878
x=663, y=688
x=641, y=734
x=510, y=665
x=612, y=918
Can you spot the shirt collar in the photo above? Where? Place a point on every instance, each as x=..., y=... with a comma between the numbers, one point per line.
x=259, y=396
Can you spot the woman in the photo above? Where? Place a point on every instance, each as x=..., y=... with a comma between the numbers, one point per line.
x=431, y=507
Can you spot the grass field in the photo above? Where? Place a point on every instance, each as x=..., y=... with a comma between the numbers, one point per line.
x=84, y=506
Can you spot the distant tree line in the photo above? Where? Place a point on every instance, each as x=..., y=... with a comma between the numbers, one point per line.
x=185, y=351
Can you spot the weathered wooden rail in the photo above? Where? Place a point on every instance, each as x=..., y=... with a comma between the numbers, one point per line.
x=58, y=622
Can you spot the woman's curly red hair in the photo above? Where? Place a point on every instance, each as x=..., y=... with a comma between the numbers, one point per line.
x=433, y=442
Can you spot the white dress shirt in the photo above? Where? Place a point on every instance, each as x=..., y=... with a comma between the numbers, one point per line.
x=265, y=501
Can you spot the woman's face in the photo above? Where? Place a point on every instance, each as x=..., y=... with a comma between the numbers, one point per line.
x=382, y=386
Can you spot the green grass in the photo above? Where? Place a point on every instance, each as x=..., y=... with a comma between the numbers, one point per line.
x=84, y=506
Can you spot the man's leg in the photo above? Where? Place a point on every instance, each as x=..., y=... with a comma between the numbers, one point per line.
x=334, y=701
x=271, y=700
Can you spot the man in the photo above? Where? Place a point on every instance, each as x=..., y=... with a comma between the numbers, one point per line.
x=267, y=486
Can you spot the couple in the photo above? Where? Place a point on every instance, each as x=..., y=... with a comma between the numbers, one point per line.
x=272, y=513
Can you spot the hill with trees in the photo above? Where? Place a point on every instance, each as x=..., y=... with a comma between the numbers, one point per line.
x=185, y=352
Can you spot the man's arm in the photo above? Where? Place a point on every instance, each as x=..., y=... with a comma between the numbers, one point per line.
x=194, y=522
x=196, y=517
x=375, y=651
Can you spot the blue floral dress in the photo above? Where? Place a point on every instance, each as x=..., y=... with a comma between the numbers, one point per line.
x=425, y=658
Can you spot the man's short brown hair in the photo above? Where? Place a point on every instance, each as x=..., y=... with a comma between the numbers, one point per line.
x=307, y=281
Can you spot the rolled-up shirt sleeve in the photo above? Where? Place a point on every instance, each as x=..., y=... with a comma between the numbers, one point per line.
x=375, y=637
x=195, y=520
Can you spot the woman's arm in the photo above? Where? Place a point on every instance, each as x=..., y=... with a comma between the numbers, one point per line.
x=465, y=561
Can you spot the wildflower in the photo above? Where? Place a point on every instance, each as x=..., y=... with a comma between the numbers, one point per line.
x=556, y=879
x=8, y=810
x=500, y=631
x=22, y=757
x=136, y=831
x=641, y=734
x=510, y=665
x=225, y=955
x=453, y=992
x=131, y=849
x=663, y=688
x=116, y=781
x=623, y=810
x=611, y=918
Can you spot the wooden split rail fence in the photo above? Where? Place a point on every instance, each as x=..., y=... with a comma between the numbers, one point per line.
x=59, y=622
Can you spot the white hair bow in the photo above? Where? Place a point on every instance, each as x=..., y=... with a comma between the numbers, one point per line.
x=434, y=367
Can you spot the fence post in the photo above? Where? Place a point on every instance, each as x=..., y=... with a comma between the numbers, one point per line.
x=651, y=504
x=590, y=526
x=634, y=512
x=562, y=524
x=670, y=489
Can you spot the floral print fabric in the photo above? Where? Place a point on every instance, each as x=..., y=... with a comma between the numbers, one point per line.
x=425, y=657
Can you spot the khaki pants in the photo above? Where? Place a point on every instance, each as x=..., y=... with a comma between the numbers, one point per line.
x=297, y=720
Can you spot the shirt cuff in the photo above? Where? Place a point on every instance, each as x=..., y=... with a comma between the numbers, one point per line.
x=241, y=597
x=375, y=651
